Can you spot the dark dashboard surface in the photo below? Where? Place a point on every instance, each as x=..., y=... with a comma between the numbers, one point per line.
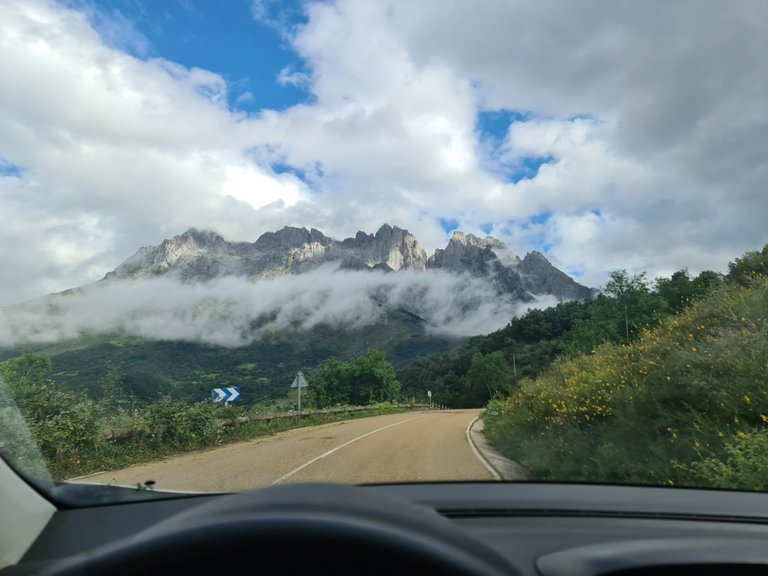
x=550, y=529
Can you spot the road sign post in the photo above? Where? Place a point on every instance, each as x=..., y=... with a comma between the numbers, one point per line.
x=299, y=382
x=429, y=395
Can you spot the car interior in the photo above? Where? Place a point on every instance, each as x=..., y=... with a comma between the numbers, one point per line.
x=525, y=528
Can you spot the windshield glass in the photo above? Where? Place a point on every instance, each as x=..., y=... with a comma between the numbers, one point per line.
x=257, y=242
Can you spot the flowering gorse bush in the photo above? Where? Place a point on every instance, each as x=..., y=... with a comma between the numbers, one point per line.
x=675, y=407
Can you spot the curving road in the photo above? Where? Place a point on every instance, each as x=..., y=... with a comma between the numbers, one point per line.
x=413, y=446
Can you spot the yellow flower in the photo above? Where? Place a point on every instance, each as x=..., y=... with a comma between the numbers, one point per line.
x=747, y=399
x=764, y=418
x=742, y=435
x=693, y=348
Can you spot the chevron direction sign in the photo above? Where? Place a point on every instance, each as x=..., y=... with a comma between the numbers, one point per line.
x=225, y=395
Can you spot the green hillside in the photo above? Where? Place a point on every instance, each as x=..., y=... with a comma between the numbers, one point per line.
x=264, y=369
x=685, y=403
x=498, y=362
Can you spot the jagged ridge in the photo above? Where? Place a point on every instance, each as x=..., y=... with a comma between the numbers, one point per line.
x=198, y=256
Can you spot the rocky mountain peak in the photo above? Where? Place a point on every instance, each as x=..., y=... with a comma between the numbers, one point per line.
x=290, y=237
x=391, y=248
x=201, y=255
x=467, y=253
x=198, y=237
x=459, y=237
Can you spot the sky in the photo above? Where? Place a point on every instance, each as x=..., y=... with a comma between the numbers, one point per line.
x=607, y=134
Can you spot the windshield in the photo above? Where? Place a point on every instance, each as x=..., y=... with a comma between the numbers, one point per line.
x=257, y=242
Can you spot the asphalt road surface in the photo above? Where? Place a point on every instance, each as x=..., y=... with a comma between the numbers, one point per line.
x=412, y=446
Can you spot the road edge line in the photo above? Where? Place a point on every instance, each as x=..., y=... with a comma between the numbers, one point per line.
x=483, y=460
x=87, y=476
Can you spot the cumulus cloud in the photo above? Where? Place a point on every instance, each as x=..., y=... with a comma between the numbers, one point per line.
x=232, y=311
x=116, y=152
x=651, y=116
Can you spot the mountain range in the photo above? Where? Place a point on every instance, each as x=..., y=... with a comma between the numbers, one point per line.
x=200, y=256
x=197, y=311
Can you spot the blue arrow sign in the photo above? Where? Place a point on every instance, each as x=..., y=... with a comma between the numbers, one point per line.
x=229, y=394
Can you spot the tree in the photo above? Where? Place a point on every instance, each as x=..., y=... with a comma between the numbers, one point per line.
x=752, y=264
x=374, y=379
x=680, y=290
x=330, y=385
x=706, y=281
x=636, y=305
x=677, y=291
x=363, y=380
x=488, y=375
x=597, y=325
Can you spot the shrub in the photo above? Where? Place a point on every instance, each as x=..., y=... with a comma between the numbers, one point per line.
x=743, y=464
x=175, y=425
x=647, y=411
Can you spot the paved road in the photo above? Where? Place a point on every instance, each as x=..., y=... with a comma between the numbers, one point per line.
x=413, y=446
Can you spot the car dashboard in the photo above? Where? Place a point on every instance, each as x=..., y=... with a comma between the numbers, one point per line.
x=530, y=528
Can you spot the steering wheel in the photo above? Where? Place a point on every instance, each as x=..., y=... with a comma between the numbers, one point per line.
x=310, y=528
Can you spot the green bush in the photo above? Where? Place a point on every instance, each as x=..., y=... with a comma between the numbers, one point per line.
x=174, y=425
x=743, y=464
x=66, y=426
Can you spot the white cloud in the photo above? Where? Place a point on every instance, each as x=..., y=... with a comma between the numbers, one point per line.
x=234, y=311
x=654, y=114
x=117, y=152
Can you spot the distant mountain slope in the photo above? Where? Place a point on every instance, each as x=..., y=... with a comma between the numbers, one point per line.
x=263, y=369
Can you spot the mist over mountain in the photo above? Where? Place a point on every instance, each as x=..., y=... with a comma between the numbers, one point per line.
x=198, y=287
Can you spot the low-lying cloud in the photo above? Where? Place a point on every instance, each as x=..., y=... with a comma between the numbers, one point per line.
x=233, y=311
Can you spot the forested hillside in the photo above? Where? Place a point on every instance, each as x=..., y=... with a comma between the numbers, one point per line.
x=263, y=370
x=497, y=363
x=684, y=402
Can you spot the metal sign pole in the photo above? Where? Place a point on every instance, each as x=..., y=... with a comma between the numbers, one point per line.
x=299, y=382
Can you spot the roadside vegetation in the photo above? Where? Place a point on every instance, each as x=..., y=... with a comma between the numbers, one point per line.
x=683, y=402
x=77, y=432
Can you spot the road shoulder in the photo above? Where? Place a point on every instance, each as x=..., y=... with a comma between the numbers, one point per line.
x=499, y=465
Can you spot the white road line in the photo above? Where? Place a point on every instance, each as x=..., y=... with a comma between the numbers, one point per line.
x=483, y=459
x=332, y=450
x=88, y=476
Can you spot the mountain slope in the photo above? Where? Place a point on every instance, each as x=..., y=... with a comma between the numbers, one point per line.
x=263, y=369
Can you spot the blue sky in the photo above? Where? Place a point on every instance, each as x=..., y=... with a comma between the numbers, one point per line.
x=226, y=38
x=130, y=121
